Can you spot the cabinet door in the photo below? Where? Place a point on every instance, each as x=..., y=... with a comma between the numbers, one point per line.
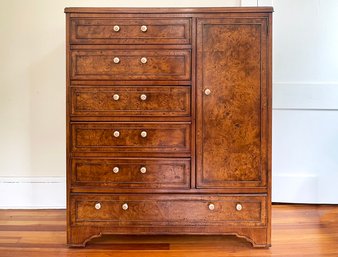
x=232, y=115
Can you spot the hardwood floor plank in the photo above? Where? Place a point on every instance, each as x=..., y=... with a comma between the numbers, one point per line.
x=9, y=239
x=32, y=222
x=34, y=227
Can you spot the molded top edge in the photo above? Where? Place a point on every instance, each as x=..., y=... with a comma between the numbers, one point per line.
x=169, y=10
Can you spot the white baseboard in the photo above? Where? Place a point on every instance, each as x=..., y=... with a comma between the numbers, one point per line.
x=32, y=192
x=294, y=188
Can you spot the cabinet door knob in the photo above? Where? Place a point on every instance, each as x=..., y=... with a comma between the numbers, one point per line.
x=125, y=206
x=144, y=134
x=207, y=91
x=116, y=170
x=116, y=60
x=143, y=97
x=116, y=97
x=116, y=28
x=98, y=206
x=144, y=28
x=211, y=207
x=116, y=133
x=144, y=60
x=143, y=170
x=239, y=207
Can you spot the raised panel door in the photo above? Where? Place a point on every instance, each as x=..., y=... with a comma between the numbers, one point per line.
x=231, y=111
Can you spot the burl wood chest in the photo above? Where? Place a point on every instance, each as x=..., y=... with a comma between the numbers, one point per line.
x=169, y=122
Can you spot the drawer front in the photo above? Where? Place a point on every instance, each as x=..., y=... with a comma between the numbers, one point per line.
x=130, y=31
x=132, y=173
x=130, y=101
x=130, y=65
x=183, y=210
x=131, y=137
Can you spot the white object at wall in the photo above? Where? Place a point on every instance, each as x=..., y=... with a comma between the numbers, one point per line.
x=249, y=3
x=256, y=2
x=265, y=2
x=305, y=101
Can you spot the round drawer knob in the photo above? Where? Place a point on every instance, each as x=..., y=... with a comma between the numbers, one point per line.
x=116, y=97
x=116, y=133
x=143, y=170
x=211, y=207
x=98, y=206
x=144, y=134
x=116, y=28
x=143, y=97
x=116, y=60
x=239, y=207
x=125, y=206
x=144, y=60
x=116, y=170
x=144, y=28
x=207, y=91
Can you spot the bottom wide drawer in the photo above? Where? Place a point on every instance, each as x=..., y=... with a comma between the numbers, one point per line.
x=164, y=210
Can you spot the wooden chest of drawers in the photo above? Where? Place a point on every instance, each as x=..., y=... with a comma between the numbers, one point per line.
x=169, y=122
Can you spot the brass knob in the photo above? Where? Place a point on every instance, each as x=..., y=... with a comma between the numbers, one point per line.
x=125, y=206
x=211, y=207
x=144, y=60
x=239, y=207
x=144, y=134
x=207, y=91
x=144, y=28
x=116, y=170
x=98, y=206
x=143, y=170
x=116, y=60
x=116, y=133
x=143, y=97
x=116, y=97
x=116, y=28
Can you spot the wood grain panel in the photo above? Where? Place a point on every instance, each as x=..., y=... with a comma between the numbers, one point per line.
x=160, y=101
x=159, y=31
x=161, y=65
x=160, y=173
x=166, y=210
x=161, y=137
x=230, y=136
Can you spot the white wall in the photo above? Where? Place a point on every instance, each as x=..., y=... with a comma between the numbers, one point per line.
x=305, y=116
x=32, y=98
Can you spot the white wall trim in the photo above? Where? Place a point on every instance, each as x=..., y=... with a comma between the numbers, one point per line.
x=256, y=2
x=305, y=95
x=33, y=192
x=249, y=2
x=265, y=2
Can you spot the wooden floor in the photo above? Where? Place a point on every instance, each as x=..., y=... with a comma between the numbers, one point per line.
x=298, y=230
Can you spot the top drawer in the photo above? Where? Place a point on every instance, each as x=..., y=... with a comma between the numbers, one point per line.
x=129, y=31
